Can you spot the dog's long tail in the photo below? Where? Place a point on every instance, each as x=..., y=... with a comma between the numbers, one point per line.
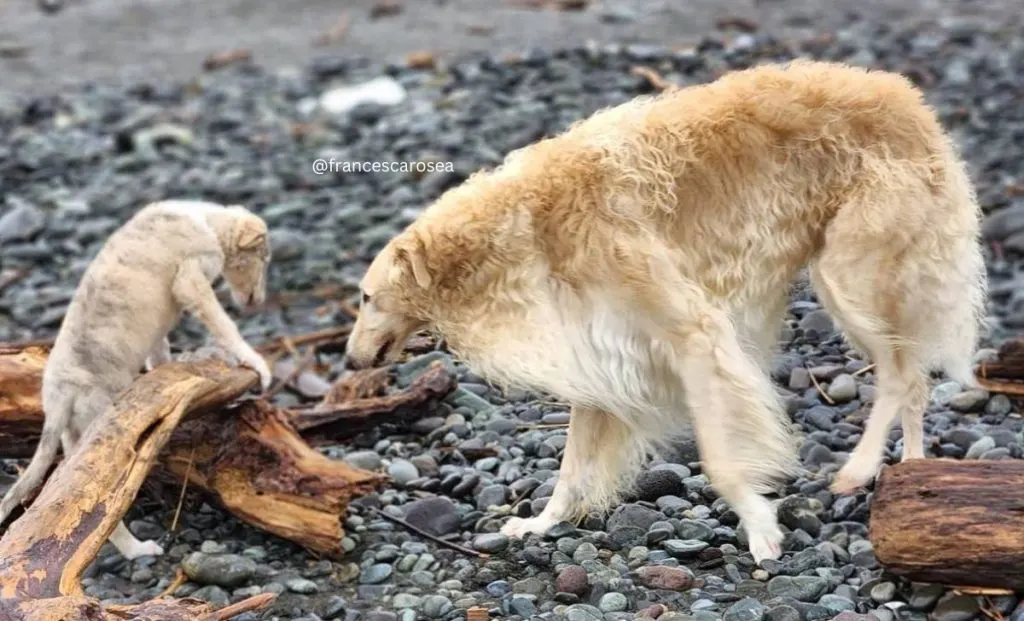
x=58, y=413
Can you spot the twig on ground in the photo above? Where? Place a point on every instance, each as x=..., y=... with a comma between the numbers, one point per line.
x=252, y=603
x=184, y=486
x=423, y=533
x=821, y=391
x=179, y=579
x=863, y=370
x=653, y=77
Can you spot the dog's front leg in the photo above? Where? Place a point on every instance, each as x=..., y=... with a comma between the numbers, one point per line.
x=741, y=431
x=194, y=293
x=600, y=454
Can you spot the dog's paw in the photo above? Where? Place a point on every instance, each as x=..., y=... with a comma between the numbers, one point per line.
x=517, y=528
x=857, y=473
x=144, y=548
x=765, y=544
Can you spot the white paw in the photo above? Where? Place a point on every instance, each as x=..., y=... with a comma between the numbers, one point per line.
x=857, y=473
x=148, y=365
x=765, y=544
x=517, y=528
x=258, y=364
x=144, y=548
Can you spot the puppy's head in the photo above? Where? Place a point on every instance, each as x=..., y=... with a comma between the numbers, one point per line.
x=246, y=258
x=394, y=293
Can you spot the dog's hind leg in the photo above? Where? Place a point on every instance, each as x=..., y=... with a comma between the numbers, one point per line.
x=601, y=453
x=904, y=284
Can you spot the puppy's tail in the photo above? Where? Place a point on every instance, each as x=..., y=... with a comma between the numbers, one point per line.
x=57, y=414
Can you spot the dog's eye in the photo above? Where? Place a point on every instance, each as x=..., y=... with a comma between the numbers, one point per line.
x=366, y=298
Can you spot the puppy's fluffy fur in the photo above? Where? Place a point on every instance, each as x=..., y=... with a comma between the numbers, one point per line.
x=158, y=264
x=637, y=265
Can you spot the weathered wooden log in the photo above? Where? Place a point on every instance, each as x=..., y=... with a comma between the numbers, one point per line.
x=43, y=553
x=250, y=458
x=959, y=523
x=253, y=462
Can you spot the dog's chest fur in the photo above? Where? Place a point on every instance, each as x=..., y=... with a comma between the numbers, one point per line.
x=584, y=351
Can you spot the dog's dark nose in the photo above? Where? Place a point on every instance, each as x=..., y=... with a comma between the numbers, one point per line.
x=351, y=364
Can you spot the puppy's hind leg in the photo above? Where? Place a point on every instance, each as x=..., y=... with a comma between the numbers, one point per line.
x=129, y=546
x=601, y=453
x=89, y=408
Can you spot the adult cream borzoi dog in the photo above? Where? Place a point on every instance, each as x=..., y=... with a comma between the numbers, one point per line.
x=637, y=266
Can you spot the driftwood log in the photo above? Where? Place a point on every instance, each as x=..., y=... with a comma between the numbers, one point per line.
x=953, y=522
x=44, y=553
x=250, y=458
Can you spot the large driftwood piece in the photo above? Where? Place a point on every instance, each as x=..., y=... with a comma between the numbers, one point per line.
x=43, y=554
x=254, y=463
x=250, y=458
x=953, y=522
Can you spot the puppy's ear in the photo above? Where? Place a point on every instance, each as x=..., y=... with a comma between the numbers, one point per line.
x=412, y=257
x=251, y=235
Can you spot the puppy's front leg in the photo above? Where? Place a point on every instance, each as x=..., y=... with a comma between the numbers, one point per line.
x=161, y=354
x=600, y=454
x=195, y=294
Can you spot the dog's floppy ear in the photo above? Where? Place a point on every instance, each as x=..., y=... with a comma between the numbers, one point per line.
x=251, y=235
x=413, y=257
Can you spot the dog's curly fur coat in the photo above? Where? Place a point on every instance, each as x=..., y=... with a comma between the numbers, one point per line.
x=638, y=265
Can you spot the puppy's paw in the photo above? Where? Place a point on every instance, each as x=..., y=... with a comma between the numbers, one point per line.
x=517, y=528
x=144, y=548
x=149, y=364
x=256, y=362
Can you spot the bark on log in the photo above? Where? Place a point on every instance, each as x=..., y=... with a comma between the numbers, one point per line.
x=43, y=554
x=952, y=522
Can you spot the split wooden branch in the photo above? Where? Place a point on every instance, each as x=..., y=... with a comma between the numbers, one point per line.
x=953, y=522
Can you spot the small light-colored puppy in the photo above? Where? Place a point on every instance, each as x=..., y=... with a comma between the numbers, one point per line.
x=157, y=265
x=637, y=265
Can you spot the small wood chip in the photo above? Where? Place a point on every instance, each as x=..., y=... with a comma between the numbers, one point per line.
x=477, y=613
x=217, y=60
x=420, y=60
x=653, y=77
